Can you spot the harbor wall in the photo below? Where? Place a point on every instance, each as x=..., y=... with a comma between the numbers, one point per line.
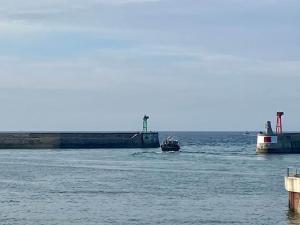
x=292, y=185
x=280, y=143
x=71, y=140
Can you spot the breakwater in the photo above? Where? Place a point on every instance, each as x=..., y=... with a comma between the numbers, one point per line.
x=278, y=143
x=77, y=140
x=292, y=185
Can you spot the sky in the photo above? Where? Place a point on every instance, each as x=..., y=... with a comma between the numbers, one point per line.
x=191, y=65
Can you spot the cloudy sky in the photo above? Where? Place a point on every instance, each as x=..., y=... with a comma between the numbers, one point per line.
x=197, y=65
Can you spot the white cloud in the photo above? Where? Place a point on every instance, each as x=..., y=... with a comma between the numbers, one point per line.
x=207, y=55
x=110, y=69
x=15, y=7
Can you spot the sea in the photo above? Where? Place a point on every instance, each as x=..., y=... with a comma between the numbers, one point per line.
x=216, y=178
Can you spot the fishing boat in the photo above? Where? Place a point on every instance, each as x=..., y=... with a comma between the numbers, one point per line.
x=169, y=145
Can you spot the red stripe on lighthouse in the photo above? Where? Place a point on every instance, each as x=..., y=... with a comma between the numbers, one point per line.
x=267, y=139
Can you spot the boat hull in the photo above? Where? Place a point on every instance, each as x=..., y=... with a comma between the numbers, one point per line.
x=170, y=149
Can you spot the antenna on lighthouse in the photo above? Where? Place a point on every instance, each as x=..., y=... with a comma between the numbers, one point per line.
x=279, y=122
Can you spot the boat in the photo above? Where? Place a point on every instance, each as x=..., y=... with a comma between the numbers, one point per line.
x=170, y=145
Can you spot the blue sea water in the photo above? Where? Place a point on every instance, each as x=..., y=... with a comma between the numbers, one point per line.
x=217, y=178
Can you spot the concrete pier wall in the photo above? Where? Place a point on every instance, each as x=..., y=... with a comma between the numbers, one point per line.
x=285, y=143
x=292, y=185
x=56, y=140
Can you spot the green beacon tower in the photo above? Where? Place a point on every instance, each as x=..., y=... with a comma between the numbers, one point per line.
x=145, y=124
